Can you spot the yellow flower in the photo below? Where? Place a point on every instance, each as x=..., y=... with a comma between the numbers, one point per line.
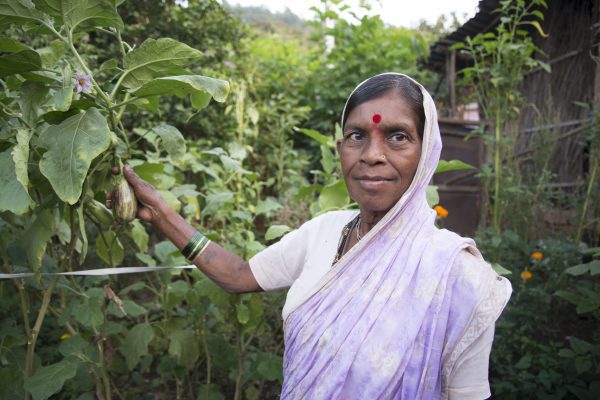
x=441, y=211
x=537, y=256
x=526, y=275
x=65, y=336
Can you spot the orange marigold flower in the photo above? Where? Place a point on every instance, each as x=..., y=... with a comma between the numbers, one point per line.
x=441, y=211
x=537, y=256
x=65, y=336
x=526, y=275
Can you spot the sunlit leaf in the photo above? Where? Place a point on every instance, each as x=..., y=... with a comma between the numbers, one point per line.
x=334, y=196
x=72, y=145
x=267, y=206
x=200, y=88
x=276, y=231
x=139, y=235
x=156, y=58
x=23, y=11
x=13, y=196
x=432, y=195
x=83, y=13
x=320, y=138
x=452, y=165
x=243, y=313
x=500, y=270
x=171, y=140
x=109, y=248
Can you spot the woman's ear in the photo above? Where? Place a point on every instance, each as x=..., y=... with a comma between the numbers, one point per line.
x=338, y=145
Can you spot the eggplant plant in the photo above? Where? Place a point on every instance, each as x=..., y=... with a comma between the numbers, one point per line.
x=61, y=134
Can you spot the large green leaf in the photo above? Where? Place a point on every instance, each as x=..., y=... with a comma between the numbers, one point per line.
x=276, y=231
x=270, y=366
x=13, y=196
x=109, y=248
x=432, y=195
x=20, y=61
x=32, y=98
x=83, y=13
x=37, y=99
x=320, y=138
x=156, y=58
x=72, y=145
x=452, y=165
x=36, y=237
x=171, y=140
x=50, y=379
x=136, y=344
x=334, y=196
x=21, y=11
x=89, y=311
x=200, y=88
x=20, y=155
x=267, y=206
x=209, y=392
x=139, y=235
x=184, y=346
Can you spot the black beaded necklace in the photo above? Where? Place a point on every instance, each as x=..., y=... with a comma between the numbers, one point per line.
x=354, y=224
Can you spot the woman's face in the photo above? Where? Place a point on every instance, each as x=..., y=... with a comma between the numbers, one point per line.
x=379, y=159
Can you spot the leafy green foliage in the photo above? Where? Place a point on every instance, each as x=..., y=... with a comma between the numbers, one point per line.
x=157, y=58
x=50, y=379
x=500, y=60
x=71, y=146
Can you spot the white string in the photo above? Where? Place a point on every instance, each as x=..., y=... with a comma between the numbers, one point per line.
x=97, y=272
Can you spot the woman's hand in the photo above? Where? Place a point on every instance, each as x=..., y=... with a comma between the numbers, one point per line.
x=151, y=205
x=228, y=270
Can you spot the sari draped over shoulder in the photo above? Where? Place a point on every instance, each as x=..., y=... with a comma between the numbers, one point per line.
x=390, y=319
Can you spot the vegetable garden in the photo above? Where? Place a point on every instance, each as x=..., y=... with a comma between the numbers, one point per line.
x=235, y=125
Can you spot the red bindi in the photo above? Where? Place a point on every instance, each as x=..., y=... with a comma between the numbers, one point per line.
x=377, y=118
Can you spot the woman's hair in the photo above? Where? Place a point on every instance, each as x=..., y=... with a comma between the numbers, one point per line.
x=380, y=85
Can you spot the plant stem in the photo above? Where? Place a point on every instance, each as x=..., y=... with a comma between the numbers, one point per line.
x=104, y=371
x=88, y=72
x=586, y=202
x=20, y=288
x=206, y=351
x=36, y=330
x=241, y=358
x=497, y=172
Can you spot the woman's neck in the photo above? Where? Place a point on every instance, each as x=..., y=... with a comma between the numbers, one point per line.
x=368, y=219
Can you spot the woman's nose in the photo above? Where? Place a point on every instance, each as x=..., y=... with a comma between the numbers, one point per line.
x=374, y=150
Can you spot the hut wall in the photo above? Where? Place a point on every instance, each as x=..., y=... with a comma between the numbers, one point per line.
x=551, y=115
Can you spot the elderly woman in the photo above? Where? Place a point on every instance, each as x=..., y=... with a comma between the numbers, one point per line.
x=381, y=303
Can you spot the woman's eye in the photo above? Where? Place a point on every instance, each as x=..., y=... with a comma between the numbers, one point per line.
x=355, y=136
x=398, y=137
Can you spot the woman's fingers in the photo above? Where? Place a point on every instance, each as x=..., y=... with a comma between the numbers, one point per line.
x=134, y=180
x=108, y=199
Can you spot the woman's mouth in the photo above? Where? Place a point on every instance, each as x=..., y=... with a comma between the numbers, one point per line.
x=373, y=181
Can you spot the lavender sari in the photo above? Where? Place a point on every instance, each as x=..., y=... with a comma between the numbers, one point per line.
x=392, y=317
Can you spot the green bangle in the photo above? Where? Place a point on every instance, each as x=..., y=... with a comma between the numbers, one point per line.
x=198, y=248
x=192, y=244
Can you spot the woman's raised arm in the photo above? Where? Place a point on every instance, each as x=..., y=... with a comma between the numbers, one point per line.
x=228, y=270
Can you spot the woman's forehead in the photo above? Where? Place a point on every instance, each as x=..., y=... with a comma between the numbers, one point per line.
x=390, y=108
